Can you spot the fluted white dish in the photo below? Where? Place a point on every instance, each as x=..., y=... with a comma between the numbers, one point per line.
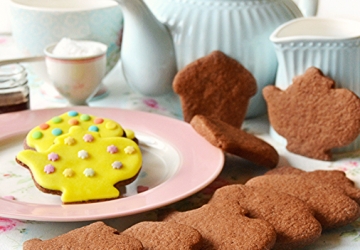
x=332, y=45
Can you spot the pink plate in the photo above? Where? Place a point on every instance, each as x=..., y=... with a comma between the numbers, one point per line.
x=177, y=163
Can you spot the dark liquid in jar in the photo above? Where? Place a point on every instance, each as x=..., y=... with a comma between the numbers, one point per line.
x=13, y=102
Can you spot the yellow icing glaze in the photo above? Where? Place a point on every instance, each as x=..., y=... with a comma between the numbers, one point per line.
x=107, y=128
x=129, y=133
x=77, y=187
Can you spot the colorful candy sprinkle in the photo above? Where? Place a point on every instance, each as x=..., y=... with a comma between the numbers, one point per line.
x=53, y=157
x=129, y=150
x=49, y=169
x=72, y=113
x=94, y=128
x=116, y=165
x=83, y=154
x=89, y=172
x=44, y=126
x=56, y=132
x=56, y=119
x=69, y=141
x=98, y=120
x=68, y=172
x=73, y=122
x=85, y=117
x=88, y=138
x=37, y=135
x=112, y=149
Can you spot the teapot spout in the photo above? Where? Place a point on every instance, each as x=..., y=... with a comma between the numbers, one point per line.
x=147, y=50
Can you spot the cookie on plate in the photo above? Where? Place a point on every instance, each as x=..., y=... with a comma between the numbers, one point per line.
x=279, y=209
x=165, y=235
x=225, y=226
x=235, y=141
x=331, y=205
x=94, y=236
x=82, y=166
x=312, y=115
x=215, y=85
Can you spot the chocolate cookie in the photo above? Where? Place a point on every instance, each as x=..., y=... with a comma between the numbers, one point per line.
x=165, y=235
x=215, y=85
x=331, y=205
x=291, y=218
x=334, y=177
x=225, y=226
x=235, y=141
x=313, y=115
x=94, y=236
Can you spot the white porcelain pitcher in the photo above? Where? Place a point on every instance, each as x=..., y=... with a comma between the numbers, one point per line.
x=332, y=45
x=159, y=41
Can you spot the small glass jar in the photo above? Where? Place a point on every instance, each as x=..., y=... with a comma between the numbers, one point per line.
x=14, y=89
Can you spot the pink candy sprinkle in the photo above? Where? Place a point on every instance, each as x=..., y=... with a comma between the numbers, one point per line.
x=112, y=149
x=53, y=157
x=88, y=138
x=49, y=169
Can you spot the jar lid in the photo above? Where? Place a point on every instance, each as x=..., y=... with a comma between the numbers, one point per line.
x=12, y=75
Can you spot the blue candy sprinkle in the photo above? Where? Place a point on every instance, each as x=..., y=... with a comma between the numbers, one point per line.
x=94, y=128
x=56, y=131
x=72, y=113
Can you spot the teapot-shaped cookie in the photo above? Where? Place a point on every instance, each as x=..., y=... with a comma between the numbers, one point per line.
x=161, y=39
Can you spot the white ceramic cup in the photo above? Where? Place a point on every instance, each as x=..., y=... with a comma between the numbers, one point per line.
x=76, y=78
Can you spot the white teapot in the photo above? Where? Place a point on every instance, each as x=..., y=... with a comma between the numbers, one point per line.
x=161, y=39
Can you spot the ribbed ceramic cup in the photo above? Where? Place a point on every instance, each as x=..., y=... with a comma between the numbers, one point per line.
x=332, y=45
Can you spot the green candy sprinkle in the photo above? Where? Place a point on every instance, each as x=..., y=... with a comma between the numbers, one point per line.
x=85, y=117
x=37, y=135
x=56, y=119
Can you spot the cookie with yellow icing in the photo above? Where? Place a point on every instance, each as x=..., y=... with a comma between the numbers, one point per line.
x=83, y=166
x=42, y=137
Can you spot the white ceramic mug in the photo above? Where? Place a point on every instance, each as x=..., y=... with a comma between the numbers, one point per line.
x=76, y=78
x=332, y=45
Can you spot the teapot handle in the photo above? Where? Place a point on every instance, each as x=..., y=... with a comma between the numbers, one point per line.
x=308, y=7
